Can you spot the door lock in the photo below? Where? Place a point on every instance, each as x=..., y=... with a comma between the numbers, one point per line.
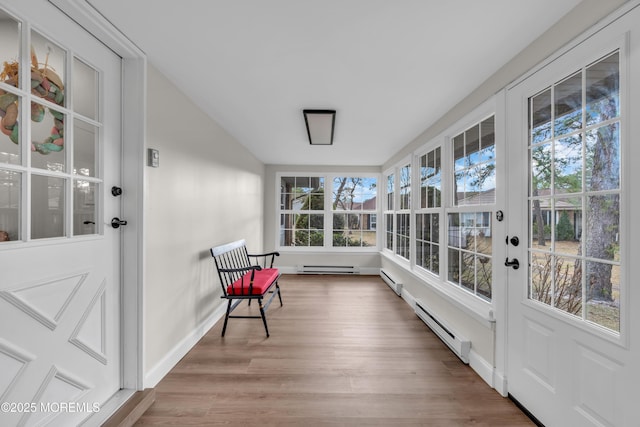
x=514, y=240
x=117, y=222
x=515, y=264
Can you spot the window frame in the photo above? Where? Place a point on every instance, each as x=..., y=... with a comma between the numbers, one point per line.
x=389, y=177
x=437, y=209
x=453, y=207
x=360, y=212
x=327, y=212
x=481, y=308
x=397, y=210
x=76, y=225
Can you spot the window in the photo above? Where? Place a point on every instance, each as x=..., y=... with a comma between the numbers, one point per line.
x=446, y=230
x=469, y=235
x=388, y=216
x=428, y=214
x=475, y=165
x=469, y=245
x=345, y=205
x=50, y=154
x=403, y=217
x=574, y=194
x=354, y=211
x=302, y=211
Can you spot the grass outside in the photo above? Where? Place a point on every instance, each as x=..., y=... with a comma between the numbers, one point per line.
x=603, y=313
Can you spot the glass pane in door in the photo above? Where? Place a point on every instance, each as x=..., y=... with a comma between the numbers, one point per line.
x=85, y=89
x=48, y=75
x=47, y=135
x=85, y=148
x=47, y=207
x=9, y=105
x=10, y=110
x=85, y=207
x=10, y=205
x=574, y=195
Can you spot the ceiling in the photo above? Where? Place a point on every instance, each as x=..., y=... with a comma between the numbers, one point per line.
x=389, y=68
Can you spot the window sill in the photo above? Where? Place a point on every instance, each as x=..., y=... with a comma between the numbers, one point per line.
x=481, y=311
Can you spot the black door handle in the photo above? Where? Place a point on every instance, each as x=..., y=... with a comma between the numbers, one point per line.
x=515, y=264
x=117, y=222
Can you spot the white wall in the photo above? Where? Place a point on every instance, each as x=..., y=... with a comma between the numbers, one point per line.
x=574, y=23
x=208, y=190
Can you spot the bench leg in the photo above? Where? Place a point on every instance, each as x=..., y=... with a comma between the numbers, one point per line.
x=264, y=319
x=226, y=317
x=279, y=294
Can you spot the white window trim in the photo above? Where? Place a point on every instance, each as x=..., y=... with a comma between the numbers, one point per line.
x=328, y=214
x=479, y=308
x=386, y=211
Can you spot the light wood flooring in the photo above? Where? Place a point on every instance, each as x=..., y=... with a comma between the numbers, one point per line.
x=343, y=351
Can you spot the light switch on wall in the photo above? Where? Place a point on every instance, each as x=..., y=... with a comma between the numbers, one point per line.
x=153, y=157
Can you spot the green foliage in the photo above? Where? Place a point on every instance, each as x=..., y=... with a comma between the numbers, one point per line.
x=313, y=201
x=564, y=229
x=309, y=238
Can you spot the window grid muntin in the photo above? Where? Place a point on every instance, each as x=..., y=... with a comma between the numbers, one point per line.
x=23, y=164
x=467, y=162
x=355, y=215
x=477, y=205
x=553, y=258
x=365, y=214
x=428, y=211
x=302, y=210
x=467, y=244
x=389, y=216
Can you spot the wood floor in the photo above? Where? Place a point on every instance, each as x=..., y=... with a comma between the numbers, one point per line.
x=343, y=351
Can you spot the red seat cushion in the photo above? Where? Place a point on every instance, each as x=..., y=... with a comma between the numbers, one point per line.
x=261, y=282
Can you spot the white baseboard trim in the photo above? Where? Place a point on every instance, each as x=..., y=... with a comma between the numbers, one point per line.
x=162, y=368
x=408, y=298
x=363, y=271
x=500, y=383
x=481, y=366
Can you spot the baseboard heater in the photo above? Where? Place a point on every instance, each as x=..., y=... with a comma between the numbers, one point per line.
x=396, y=286
x=459, y=345
x=328, y=269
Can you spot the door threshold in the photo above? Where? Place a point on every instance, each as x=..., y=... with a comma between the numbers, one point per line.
x=123, y=409
x=526, y=411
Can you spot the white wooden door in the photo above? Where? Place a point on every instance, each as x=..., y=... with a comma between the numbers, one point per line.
x=572, y=351
x=60, y=356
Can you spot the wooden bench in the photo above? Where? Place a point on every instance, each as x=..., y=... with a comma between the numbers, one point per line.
x=244, y=276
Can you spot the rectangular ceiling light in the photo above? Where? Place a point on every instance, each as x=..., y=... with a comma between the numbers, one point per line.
x=320, y=125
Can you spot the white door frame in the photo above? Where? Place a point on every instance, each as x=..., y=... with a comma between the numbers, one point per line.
x=500, y=380
x=134, y=70
x=501, y=335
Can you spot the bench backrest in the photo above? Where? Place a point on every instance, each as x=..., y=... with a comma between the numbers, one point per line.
x=233, y=261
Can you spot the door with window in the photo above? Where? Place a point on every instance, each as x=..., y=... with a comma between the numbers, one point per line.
x=570, y=356
x=59, y=255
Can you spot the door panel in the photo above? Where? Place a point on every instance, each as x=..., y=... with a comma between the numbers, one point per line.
x=570, y=353
x=60, y=350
